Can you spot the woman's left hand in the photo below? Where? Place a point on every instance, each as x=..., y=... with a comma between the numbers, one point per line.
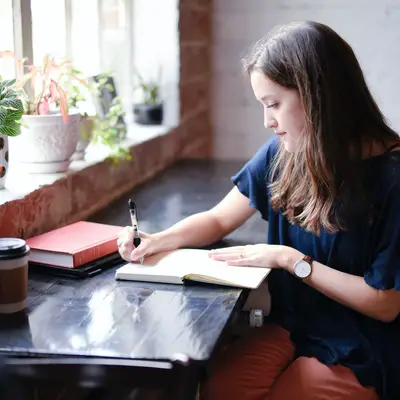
x=257, y=255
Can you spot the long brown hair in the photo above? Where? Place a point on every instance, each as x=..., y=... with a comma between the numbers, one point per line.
x=312, y=184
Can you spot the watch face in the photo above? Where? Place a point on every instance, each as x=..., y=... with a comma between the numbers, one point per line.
x=302, y=269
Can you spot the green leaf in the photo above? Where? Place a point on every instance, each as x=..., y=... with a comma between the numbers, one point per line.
x=13, y=115
x=11, y=109
x=3, y=92
x=11, y=103
x=11, y=94
x=9, y=82
x=10, y=129
x=3, y=115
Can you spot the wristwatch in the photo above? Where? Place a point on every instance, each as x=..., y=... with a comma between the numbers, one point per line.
x=302, y=268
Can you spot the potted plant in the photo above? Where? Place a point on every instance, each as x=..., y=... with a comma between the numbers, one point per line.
x=11, y=110
x=50, y=128
x=149, y=110
x=110, y=130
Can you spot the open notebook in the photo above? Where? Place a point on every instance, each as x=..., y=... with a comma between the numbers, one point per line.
x=180, y=265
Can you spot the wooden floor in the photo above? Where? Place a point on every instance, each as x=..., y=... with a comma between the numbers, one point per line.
x=187, y=187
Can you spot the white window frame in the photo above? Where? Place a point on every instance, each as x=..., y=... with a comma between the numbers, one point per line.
x=22, y=22
x=23, y=47
x=23, y=43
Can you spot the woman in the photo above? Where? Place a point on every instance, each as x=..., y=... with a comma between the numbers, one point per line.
x=328, y=184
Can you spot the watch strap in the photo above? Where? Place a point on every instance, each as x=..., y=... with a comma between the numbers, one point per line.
x=308, y=259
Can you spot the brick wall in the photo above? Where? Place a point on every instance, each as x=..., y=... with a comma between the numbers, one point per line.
x=371, y=27
x=195, y=20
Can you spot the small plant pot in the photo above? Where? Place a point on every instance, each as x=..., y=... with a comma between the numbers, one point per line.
x=148, y=114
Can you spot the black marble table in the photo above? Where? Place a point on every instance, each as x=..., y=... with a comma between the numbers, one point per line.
x=100, y=317
x=103, y=317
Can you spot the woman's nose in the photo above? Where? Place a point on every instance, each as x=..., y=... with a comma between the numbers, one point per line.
x=270, y=122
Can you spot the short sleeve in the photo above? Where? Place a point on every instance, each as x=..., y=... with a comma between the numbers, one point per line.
x=251, y=180
x=384, y=271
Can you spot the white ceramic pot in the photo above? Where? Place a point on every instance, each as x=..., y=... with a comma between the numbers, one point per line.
x=47, y=144
x=3, y=159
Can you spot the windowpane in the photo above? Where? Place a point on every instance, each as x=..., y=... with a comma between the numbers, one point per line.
x=85, y=36
x=116, y=46
x=99, y=37
x=48, y=29
x=7, y=70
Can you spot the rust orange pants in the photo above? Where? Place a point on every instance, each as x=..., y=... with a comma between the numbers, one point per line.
x=261, y=366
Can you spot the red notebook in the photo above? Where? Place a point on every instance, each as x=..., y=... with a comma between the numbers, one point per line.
x=74, y=245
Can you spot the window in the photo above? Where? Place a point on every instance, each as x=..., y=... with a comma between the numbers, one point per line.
x=85, y=43
x=6, y=38
x=99, y=36
x=48, y=29
x=115, y=45
x=94, y=34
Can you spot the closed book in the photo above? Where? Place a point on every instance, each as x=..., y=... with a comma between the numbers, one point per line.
x=181, y=265
x=74, y=245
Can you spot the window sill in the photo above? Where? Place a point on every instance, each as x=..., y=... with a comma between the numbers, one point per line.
x=19, y=183
x=35, y=204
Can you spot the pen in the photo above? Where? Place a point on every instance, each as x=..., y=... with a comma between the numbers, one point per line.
x=134, y=219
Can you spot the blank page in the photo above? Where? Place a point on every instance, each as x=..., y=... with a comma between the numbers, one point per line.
x=195, y=264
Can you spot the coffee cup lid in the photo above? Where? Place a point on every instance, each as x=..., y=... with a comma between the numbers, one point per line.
x=13, y=248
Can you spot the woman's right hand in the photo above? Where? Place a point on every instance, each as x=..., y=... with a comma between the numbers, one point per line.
x=128, y=251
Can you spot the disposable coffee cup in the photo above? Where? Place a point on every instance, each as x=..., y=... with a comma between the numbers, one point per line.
x=13, y=275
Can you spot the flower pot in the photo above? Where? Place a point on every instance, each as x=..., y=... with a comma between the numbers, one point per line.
x=85, y=131
x=3, y=159
x=47, y=143
x=148, y=114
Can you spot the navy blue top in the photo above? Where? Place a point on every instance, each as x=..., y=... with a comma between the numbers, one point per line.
x=319, y=326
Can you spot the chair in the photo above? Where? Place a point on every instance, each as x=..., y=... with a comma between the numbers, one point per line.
x=104, y=378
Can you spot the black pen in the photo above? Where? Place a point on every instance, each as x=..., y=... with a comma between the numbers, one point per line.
x=134, y=219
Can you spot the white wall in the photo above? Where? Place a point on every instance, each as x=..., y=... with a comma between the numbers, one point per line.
x=370, y=26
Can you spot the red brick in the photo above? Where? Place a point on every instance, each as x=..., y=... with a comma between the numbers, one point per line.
x=171, y=146
x=195, y=77
x=195, y=60
x=196, y=3
x=40, y=211
x=195, y=130
x=194, y=94
x=199, y=149
x=194, y=25
x=195, y=127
